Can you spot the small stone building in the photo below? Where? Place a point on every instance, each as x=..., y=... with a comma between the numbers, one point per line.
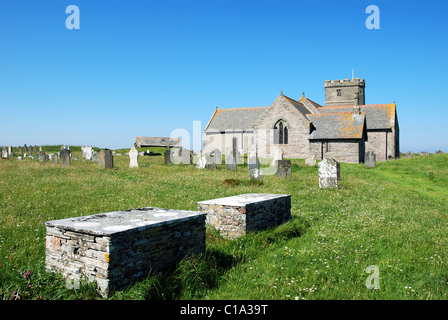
x=343, y=129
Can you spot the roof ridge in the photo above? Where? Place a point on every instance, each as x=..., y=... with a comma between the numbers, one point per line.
x=361, y=105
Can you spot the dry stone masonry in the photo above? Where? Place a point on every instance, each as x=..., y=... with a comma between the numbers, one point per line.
x=117, y=248
x=235, y=216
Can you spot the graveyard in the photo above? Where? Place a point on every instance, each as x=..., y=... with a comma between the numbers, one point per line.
x=392, y=215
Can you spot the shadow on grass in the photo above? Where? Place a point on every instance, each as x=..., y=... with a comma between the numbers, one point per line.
x=195, y=275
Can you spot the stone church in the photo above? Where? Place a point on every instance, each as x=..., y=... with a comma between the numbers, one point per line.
x=344, y=129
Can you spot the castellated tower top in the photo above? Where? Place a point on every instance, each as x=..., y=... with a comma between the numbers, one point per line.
x=342, y=92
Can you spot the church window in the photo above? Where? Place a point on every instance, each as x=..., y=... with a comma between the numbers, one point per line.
x=338, y=92
x=280, y=133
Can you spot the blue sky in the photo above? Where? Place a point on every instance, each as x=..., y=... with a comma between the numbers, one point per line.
x=146, y=68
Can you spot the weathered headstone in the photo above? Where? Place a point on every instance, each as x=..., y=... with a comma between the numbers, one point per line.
x=108, y=159
x=101, y=162
x=133, y=157
x=10, y=153
x=65, y=157
x=4, y=153
x=86, y=152
x=186, y=156
x=278, y=155
x=283, y=168
x=20, y=151
x=328, y=173
x=217, y=156
x=201, y=163
x=42, y=157
x=168, y=156
x=54, y=159
x=34, y=150
x=94, y=156
x=370, y=159
x=230, y=161
x=310, y=161
x=210, y=162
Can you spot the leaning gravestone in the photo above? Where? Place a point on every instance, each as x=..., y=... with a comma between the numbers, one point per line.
x=328, y=173
x=133, y=157
x=65, y=157
x=108, y=160
x=370, y=159
x=101, y=158
x=168, y=156
x=283, y=168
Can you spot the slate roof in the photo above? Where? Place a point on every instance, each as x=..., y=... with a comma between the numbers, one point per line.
x=344, y=125
x=378, y=116
x=235, y=119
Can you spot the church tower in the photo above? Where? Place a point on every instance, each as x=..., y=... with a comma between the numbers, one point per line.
x=342, y=93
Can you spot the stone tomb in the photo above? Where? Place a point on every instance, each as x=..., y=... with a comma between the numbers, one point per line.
x=283, y=168
x=117, y=248
x=235, y=216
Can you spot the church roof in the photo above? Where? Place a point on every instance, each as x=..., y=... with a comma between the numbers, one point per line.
x=344, y=125
x=234, y=119
x=378, y=116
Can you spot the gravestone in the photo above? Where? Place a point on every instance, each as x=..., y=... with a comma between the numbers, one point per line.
x=34, y=150
x=133, y=157
x=10, y=153
x=54, y=159
x=210, y=161
x=20, y=151
x=4, y=154
x=370, y=159
x=310, y=161
x=94, y=156
x=217, y=156
x=201, y=163
x=42, y=157
x=168, y=156
x=108, y=159
x=278, y=155
x=29, y=150
x=255, y=173
x=101, y=162
x=65, y=157
x=283, y=168
x=230, y=161
x=186, y=156
x=328, y=173
x=86, y=152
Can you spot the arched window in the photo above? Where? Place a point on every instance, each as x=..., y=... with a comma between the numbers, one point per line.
x=280, y=133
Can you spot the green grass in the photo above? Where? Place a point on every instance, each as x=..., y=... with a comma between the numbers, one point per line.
x=393, y=216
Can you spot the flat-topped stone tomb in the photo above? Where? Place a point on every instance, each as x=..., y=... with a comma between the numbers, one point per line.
x=117, y=248
x=237, y=215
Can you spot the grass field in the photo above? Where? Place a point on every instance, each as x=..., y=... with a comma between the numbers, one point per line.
x=394, y=217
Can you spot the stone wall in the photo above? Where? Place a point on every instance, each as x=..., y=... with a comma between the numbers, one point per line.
x=118, y=248
x=347, y=88
x=347, y=151
x=235, y=216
